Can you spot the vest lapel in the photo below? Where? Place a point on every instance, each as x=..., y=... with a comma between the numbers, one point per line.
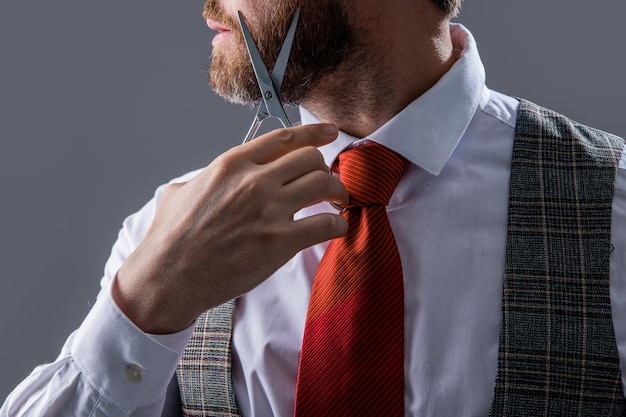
x=205, y=371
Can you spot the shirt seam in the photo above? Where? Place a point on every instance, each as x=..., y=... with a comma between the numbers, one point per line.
x=495, y=116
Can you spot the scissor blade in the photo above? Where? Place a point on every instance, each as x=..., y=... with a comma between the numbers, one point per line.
x=262, y=75
x=270, y=104
x=278, y=72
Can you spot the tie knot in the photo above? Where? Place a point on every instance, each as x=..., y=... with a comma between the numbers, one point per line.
x=370, y=173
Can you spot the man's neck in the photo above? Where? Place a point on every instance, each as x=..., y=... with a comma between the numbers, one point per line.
x=398, y=63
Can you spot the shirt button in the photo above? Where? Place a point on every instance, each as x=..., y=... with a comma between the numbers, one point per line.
x=134, y=373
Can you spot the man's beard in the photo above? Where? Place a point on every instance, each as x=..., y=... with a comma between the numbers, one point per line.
x=324, y=40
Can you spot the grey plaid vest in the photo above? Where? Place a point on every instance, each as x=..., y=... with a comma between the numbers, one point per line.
x=558, y=354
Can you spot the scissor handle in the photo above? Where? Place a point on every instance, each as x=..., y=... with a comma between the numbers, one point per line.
x=256, y=124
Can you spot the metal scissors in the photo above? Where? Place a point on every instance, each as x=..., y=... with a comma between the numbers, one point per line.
x=271, y=105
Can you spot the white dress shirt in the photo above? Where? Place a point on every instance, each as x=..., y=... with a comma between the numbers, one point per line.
x=449, y=215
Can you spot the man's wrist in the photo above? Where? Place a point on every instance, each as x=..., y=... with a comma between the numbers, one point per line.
x=149, y=311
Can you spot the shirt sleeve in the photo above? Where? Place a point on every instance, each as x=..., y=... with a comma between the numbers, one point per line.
x=108, y=366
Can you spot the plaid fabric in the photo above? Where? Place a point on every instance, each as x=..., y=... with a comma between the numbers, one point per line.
x=558, y=354
x=204, y=373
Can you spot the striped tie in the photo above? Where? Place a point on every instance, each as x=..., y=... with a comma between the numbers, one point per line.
x=352, y=361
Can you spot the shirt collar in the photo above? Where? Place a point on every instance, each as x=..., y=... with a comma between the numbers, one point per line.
x=428, y=130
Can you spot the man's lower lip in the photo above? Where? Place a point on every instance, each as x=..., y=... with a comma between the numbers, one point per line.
x=220, y=37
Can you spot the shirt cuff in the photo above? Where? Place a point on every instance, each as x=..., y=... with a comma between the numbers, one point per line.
x=128, y=367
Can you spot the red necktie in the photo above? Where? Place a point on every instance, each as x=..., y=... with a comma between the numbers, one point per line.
x=352, y=361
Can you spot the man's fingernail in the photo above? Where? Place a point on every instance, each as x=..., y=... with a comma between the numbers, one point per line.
x=330, y=129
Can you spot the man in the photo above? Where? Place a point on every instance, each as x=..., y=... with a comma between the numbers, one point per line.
x=497, y=194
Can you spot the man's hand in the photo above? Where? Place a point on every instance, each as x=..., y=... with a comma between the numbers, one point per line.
x=221, y=234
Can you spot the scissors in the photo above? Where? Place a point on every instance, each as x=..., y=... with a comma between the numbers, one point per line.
x=269, y=85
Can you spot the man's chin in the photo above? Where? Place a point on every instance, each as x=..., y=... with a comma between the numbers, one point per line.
x=233, y=83
x=239, y=96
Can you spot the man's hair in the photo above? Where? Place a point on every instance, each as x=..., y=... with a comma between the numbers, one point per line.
x=450, y=7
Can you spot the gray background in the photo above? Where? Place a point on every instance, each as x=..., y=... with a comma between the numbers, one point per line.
x=101, y=102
